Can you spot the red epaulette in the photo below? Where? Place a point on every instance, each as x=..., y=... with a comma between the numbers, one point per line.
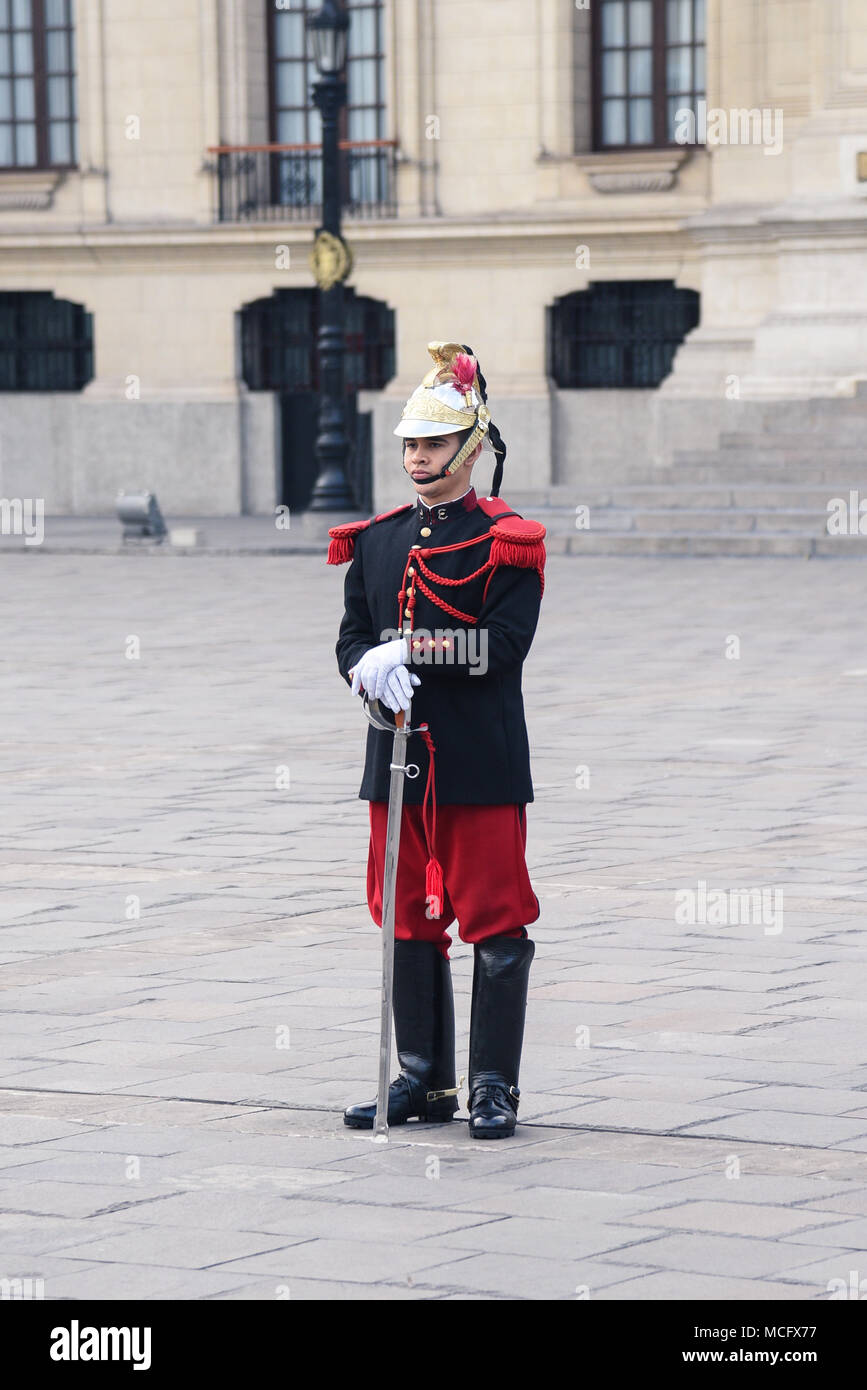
x=516, y=539
x=341, y=547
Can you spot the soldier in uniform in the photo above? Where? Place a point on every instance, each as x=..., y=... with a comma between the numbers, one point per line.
x=441, y=601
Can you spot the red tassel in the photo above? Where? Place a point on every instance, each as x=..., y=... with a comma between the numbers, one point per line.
x=524, y=547
x=433, y=874
x=340, y=549
x=341, y=546
x=526, y=555
x=433, y=887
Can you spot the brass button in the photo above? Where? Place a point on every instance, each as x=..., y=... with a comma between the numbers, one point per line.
x=416, y=547
x=425, y=531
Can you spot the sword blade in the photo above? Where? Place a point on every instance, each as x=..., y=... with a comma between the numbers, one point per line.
x=389, y=894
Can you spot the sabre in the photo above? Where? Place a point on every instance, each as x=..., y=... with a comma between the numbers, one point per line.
x=399, y=769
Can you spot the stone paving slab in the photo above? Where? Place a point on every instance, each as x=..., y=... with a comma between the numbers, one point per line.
x=319, y=1290
x=541, y=1276
x=329, y=1258
x=177, y=1249
x=145, y=1282
x=677, y=1286
x=694, y=1111
x=735, y=1219
x=787, y=1128
x=735, y=1256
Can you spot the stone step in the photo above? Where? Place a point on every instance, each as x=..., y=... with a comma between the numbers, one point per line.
x=695, y=471
x=692, y=497
x=785, y=497
x=597, y=494
x=728, y=520
x=757, y=459
x=682, y=521
x=646, y=543
x=842, y=431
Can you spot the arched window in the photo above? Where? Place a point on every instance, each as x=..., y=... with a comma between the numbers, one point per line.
x=618, y=333
x=37, y=84
x=46, y=344
x=279, y=342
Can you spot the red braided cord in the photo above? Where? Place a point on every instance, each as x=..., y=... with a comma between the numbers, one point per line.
x=429, y=791
x=441, y=579
x=455, y=545
x=441, y=603
x=417, y=557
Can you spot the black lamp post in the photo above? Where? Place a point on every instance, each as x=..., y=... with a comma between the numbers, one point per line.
x=328, y=29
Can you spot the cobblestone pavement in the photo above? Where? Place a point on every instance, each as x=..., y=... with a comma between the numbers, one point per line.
x=191, y=976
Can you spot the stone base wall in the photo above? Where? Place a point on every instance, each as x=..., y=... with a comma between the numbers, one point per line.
x=200, y=458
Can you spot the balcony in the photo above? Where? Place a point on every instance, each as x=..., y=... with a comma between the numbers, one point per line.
x=283, y=183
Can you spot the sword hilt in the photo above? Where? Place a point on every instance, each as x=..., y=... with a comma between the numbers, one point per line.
x=378, y=720
x=400, y=726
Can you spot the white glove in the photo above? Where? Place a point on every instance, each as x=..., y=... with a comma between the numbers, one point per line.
x=382, y=673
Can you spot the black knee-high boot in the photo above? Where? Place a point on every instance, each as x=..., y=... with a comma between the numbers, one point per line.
x=500, y=974
x=424, y=1027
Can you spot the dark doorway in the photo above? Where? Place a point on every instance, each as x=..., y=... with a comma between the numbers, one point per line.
x=299, y=424
x=278, y=349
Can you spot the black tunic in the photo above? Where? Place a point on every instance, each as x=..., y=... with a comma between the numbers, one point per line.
x=477, y=723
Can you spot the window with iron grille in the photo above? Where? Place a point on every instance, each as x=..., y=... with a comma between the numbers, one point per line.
x=618, y=333
x=37, y=84
x=46, y=344
x=649, y=63
x=294, y=118
x=279, y=342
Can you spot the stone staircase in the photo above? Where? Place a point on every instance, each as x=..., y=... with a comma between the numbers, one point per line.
x=761, y=492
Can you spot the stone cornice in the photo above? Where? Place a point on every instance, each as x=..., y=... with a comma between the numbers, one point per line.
x=811, y=219
x=661, y=250
x=454, y=234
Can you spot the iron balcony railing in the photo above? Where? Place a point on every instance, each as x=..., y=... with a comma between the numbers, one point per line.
x=280, y=183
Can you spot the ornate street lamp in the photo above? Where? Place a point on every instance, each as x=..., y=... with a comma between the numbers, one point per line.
x=331, y=262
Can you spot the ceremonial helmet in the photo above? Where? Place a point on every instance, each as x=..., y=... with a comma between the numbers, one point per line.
x=452, y=397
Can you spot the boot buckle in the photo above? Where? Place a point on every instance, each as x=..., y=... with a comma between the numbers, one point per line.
x=441, y=1095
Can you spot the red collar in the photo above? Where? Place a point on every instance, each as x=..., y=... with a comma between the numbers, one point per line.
x=441, y=511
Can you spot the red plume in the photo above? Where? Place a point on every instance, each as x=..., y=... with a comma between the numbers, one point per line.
x=464, y=370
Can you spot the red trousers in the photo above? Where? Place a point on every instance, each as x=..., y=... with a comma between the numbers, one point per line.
x=485, y=880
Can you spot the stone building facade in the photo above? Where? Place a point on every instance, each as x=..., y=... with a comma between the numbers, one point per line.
x=507, y=158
